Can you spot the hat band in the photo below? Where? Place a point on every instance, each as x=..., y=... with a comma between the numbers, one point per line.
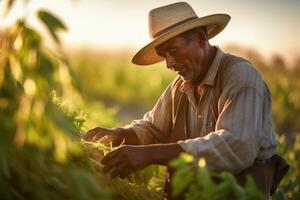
x=172, y=26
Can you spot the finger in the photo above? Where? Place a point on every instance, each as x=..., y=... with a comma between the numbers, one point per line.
x=111, y=164
x=118, y=170
x=90, y=134
x=126, y=172
x=96, y=154
x=98, y=136
x=110, y=156
x=103, y=138
x=103, y=134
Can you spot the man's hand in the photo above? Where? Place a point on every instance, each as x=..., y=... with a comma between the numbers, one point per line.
x=111, y=135
x=129, y=158
x=125, y=160
x=115, y=136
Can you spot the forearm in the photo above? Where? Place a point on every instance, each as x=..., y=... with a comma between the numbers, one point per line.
x=162, y=154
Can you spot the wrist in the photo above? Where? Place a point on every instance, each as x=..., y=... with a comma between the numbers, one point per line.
x=162, y=154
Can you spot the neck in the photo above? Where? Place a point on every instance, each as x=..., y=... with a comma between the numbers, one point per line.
x=211, y=53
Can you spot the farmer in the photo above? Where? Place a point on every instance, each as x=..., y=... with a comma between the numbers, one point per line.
x=218, y=107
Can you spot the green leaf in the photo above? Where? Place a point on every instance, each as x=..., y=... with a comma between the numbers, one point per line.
x=239, y=192
x=177, y=163
x=187, y=158
x=182, y=160
x=222, y=190
x=181, y=180
x=30, y=38
x=252, y=192
x=203, y=177
x=226, y=176
x=53, y=23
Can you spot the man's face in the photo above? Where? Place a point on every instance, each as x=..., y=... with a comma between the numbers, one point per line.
x=184, y=57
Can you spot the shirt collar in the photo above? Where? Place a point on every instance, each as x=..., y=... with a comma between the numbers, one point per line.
x=210, y=76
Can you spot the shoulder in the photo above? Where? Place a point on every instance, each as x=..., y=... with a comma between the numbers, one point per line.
x=241, y=73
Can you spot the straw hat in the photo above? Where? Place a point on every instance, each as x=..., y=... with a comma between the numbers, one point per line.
x=169, y=21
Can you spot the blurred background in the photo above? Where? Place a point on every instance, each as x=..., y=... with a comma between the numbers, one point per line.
x=103, y=36
x=269, y=26
x=85, y=56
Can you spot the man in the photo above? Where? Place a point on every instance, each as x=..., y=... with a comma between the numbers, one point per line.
x=218, y=107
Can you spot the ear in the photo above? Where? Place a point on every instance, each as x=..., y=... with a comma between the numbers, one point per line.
x=201, y=36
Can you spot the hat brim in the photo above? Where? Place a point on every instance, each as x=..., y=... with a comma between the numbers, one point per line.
x=214, y=24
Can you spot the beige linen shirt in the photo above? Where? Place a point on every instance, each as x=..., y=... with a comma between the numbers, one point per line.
x=242, y=132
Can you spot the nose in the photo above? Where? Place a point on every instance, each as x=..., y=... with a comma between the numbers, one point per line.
x=170, y=62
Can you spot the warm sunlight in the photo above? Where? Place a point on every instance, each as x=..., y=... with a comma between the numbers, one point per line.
x=270, y=26
x=86, y=114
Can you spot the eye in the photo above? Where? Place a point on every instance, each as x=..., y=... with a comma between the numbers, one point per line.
x=173, y=51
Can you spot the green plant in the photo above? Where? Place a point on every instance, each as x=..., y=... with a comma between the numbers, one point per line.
x=289, y=188
x=41, y=157
x=196, y=182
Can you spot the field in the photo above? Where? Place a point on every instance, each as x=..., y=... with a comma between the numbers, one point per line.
x=49, y=98
x=126, y=88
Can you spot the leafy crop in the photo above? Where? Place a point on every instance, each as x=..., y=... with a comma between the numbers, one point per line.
x=41, y=153
x=43, y=115
x=198, y=183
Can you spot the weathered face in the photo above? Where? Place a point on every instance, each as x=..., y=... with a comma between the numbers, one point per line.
x=186, y=58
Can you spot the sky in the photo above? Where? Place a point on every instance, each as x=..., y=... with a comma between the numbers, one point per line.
x=272, y=26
